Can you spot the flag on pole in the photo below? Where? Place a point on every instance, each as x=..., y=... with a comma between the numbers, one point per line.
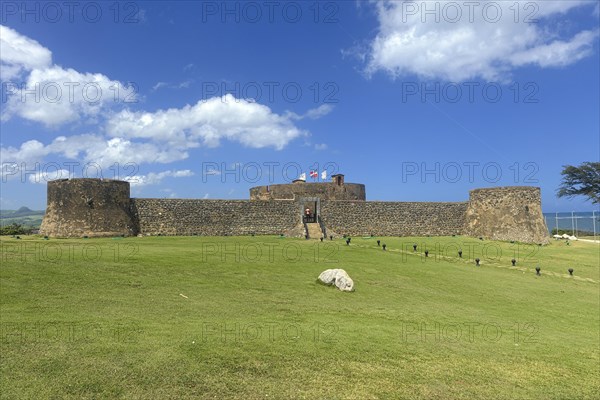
x=314, y=174
x=302, y=176
x=324, y=175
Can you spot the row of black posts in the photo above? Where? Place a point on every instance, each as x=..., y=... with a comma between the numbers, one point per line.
x=460, y=253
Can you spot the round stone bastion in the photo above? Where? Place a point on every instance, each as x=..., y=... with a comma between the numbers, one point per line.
x=88, y=207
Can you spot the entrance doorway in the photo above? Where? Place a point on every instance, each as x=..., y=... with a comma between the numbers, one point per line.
x=310, y=211
x=310, y=208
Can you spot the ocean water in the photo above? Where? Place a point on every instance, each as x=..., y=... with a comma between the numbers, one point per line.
x=577, y=222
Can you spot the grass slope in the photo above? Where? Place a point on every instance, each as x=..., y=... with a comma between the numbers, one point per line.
x=242, y=317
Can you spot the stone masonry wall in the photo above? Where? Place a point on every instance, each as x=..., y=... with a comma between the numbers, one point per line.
x=383, y=218
x=242, y=217
x=87, y=207
x=507, y=213
x=95, y=207
x=324, y=190
x=214, y=217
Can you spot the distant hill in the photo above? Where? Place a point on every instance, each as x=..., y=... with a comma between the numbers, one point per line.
x=23, y=216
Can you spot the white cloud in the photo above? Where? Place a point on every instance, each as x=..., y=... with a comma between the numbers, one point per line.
x=319, y=112
x=154, y=178
x=313, y=113
x=101, y=154
x=412, y=42
x=107, y=151
x=126, y=137
x=19, y=53
x=207, y=123
x=50, y=94
x=321, y=146
x=181, y=85
x=54, y=96
x=33, y=155
x=161, y=137
x=557, y=53
x=159, y=85
x=29, y=151
x=213, y=172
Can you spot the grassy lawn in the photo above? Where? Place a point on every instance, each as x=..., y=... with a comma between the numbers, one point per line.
x=242, y=317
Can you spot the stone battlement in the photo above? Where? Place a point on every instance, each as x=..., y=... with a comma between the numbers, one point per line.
x=323, y=190
x=95, y=207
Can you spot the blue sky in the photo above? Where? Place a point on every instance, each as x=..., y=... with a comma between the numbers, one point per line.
x=419, y=102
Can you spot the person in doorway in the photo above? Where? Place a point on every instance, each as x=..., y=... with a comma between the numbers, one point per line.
x=307, y=214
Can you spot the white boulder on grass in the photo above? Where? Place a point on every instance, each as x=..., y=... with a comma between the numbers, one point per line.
x=328, y=276
x=339, y=278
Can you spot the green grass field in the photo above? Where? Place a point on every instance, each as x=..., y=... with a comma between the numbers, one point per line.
x=242, y=317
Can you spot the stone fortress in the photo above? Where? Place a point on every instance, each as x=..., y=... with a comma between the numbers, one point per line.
x=103, y=207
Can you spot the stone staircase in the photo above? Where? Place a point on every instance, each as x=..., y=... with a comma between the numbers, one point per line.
x=314, y=230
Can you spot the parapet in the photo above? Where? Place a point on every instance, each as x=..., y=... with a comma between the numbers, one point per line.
x=298, y=189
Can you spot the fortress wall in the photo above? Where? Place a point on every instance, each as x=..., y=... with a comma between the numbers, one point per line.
x=214, y=217
x=507, y=213
x=383, y=218
x=87, y=207
x=324, y=190
x=243, y=217
x=102, y=207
